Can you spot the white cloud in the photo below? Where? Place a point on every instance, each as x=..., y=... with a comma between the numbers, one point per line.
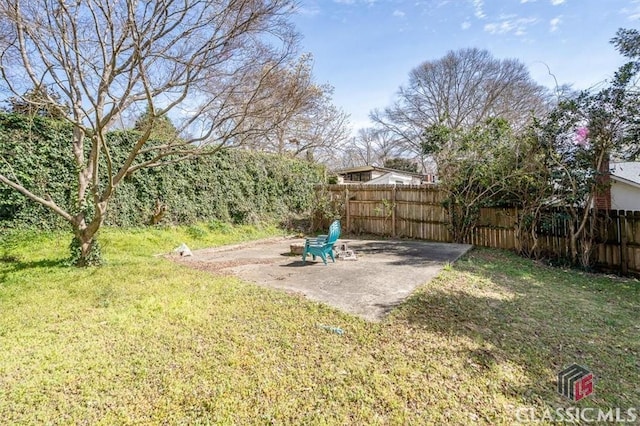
x=509, y=24
x=555, y=23
x=557, y=2
x=632, y=13
x=398, y=13
x=311, y=10
x=478, y=5
x=465, y=25
x=350, y=2
x=527, y=1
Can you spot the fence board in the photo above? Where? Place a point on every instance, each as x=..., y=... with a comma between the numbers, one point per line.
x=416, y=211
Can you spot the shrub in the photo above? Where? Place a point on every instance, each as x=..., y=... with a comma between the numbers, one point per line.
x=233, y=185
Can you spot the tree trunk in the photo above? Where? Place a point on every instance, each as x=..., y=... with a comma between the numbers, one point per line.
x=586, y=254
x=573, y=239
x=85, y=249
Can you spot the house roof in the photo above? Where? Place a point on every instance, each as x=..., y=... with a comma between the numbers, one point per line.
x=627, y=172
x=376, y=168
x=390, y=175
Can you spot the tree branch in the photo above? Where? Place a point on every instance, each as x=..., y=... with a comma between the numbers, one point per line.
x=45, y=202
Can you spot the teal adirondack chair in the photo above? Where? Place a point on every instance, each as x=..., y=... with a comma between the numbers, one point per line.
x=322, y=245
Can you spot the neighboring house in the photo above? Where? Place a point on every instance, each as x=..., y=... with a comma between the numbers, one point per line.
x=625, y=186
x=380, y=175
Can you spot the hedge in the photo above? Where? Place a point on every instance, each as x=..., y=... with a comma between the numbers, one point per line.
x=232, y=185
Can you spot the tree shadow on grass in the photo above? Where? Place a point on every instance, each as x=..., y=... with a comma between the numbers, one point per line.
x=536, y=317
x=11, y=265
x=489, y=322
x=505, y=329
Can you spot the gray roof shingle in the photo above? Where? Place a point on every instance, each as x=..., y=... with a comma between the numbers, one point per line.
x=629, y=171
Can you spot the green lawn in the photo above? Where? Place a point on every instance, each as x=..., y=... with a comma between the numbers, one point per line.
x=143, y=340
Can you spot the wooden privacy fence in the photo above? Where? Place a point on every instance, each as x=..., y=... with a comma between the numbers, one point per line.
x=416, y=211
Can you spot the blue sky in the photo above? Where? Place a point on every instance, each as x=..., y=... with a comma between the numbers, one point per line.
x=366, y=48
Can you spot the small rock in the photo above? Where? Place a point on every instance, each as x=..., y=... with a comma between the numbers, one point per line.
x=183, y=250
x=348, y=255
x=296, y=248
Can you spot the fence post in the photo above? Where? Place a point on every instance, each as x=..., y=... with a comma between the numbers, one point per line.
x=393, y=211
x=624, y=266
x=346, y=208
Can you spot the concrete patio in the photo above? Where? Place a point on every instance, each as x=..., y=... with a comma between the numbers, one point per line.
x=384, y=274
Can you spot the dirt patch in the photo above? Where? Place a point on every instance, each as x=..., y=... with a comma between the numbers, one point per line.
x=220, y=267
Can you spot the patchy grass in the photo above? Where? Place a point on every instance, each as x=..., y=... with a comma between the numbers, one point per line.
x=536, y=320
x=144, y=340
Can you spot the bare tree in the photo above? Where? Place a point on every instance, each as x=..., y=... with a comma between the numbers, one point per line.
x=371, y=146
x=318, y=131
x=461, y=90
x=193, y=60
x=299, y=113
